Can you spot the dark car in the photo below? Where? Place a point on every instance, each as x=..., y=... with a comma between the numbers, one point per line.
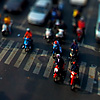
x=14, y=5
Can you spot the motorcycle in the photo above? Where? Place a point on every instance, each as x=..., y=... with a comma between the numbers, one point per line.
x=5, y=28
x=60, y=35
x=73, y=78
x=48, y=34
x=79, y=33
x=73, y=55
x=27, y=44
x=57, y=50
x=57, y=75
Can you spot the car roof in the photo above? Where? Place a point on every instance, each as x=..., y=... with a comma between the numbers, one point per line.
x=42, y=2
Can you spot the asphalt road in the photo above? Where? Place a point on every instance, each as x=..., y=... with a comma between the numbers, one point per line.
x=23, y=76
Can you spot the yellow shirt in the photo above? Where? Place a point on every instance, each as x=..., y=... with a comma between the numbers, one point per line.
x=75, y=13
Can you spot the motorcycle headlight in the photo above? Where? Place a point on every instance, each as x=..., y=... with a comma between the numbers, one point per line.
x=25, y=44
x=71, y=54
x=47, y=36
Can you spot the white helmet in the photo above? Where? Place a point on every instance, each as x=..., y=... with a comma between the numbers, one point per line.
x=82, y=18
x=28, y=29
x=58, y=55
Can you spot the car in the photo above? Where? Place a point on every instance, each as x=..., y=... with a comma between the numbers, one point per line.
x=97, y=28
x=78, y=2
x=14, y=5
x=39, y=12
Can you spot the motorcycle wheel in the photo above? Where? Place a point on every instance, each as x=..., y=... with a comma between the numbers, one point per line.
x=72, y=87
x=56, y=79
x=26, y=49
x=48, y=40
x=5, y=33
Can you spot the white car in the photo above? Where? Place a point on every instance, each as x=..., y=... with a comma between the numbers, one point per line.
x=78, y=2
x=97, y=29
x=39, y=12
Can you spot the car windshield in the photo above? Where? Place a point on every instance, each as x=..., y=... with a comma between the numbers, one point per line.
x=39, y=9
x=99, y=27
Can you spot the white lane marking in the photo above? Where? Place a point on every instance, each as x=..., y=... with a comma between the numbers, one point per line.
x=20, y=59
x=12, y=54
x=89, y=47
x=69, y=65
x=49, y=67
x=91, y=76
x=2, y=41
x=98, y=83
x=20, y=27
x=44, y=53
x=24, y=21
x=30, y=60
x=82, y=72
x=37, y=68
x=5, y=50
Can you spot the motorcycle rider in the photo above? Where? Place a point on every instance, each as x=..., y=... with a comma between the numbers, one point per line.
x=60, y=62
x=63, y=26
x=75, y=67
x=54, y=14
x=7, y=21
x=81, y=24
x=76, y=17
x=77, y=12
x=75, y=47
x=57, y=47
x=28, y=35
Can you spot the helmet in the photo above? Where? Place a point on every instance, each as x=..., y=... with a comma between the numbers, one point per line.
x=79, y=30
x=55, y=42
x=28, y=29
x=58, y=55
x=74, y=62
x=82, y=18
x=74, y=40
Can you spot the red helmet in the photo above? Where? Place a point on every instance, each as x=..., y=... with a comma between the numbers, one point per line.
x=55, y=42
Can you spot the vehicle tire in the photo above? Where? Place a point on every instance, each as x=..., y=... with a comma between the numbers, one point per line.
x=48, y=40
x=56, y=79
x=3, y=33
x=72, y=87
x=26, y=49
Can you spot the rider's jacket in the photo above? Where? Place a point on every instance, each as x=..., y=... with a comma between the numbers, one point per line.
x=28, y=34
x=74, y=46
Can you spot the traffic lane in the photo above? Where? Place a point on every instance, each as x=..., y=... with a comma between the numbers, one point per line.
x=18, y=85
x=90, y=18
x=89, y=56
x=67, y=17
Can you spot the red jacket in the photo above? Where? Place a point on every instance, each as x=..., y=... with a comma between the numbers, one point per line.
x=81, y=24
x=28, y=34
